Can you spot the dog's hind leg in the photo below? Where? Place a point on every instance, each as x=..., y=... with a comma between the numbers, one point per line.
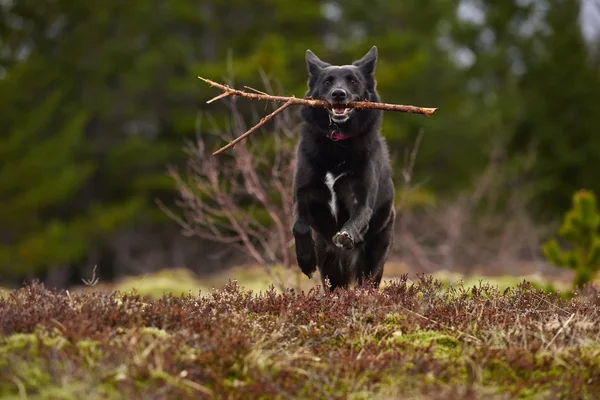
x=329, y=261
x=377, y=248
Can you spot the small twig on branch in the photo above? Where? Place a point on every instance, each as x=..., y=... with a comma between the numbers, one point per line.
x=289, y=101
x=253, y=129
x=255, y=90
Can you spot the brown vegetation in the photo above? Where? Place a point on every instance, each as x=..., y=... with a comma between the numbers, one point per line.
x=408, y=340
x=243, y=201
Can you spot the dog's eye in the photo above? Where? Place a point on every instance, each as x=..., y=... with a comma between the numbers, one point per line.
x=353, y=81
x=327, y=81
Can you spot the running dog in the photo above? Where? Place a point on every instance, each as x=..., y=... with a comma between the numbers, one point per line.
x=343, y=190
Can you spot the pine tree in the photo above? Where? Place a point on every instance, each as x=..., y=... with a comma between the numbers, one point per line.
x=580, y=228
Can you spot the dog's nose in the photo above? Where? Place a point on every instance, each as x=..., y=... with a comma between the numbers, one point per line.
x=338, y=94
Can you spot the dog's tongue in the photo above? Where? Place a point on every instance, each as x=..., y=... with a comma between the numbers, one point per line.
x=339, y=110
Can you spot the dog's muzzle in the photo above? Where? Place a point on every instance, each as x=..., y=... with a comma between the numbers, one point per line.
x=340, y=113
x=338, y=98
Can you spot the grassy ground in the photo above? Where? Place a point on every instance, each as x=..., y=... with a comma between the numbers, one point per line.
x=182, y=281
x=421, y=339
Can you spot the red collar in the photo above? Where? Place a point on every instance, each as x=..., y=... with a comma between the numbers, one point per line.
x=337, y=135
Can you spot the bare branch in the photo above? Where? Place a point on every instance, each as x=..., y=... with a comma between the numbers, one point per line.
x=225, y=94
x=319, y=103
x=228, y=201
x=253, y=129
x=562, y=328
x=252, y=89
x=409, y=166
x=93, y=281
x=289, y=101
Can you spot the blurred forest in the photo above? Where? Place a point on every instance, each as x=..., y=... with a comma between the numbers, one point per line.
x=98, y=98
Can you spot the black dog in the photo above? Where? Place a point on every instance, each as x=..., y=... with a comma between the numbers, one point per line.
x=343, y=189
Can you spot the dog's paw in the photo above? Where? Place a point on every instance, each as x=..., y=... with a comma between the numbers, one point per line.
x=307, y=261
x=308, y=269
x=343, y=240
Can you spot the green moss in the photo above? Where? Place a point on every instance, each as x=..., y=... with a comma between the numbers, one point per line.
x=540, y=380
x=179, y=281
x=174, y=281
x=30, y=342
x=393, y=319
x=22, y=356
x=32, y=375
x=500, y=282
x=444, y=346
x=154, y=332
x=76, y=391
x=90, y=351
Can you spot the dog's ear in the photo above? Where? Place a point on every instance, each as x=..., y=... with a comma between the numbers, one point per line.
x=314, y=64
x=367, y=63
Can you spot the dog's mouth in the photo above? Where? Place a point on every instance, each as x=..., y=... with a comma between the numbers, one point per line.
x=340, y=112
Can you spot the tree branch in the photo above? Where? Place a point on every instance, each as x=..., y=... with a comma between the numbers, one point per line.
x=289, y=101
x=253, y=129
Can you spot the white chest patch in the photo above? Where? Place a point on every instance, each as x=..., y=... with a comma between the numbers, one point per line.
x=330, y=182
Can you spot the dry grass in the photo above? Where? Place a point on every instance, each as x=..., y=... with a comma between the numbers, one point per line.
x=179, y=281
x=407, y=340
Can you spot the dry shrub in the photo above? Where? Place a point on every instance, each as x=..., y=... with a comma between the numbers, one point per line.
x=409, y=339
x=487, y=226
x=243, y=198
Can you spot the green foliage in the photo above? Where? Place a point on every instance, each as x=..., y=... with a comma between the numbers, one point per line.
x=580, y=229
x=536, y=88
x=96, y=99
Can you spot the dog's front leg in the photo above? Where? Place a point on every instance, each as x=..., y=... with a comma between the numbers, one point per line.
x=305, y=246
x=353, y=231
x=360, y=205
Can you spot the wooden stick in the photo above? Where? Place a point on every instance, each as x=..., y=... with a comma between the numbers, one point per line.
x=289, y=101
x=253, y=129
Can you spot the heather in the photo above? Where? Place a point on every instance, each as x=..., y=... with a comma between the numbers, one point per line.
x=408, y=339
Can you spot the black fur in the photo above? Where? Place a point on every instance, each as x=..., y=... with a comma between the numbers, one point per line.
x=355, y=247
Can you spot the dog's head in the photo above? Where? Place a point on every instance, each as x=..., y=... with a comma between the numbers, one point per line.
x=341, y=84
